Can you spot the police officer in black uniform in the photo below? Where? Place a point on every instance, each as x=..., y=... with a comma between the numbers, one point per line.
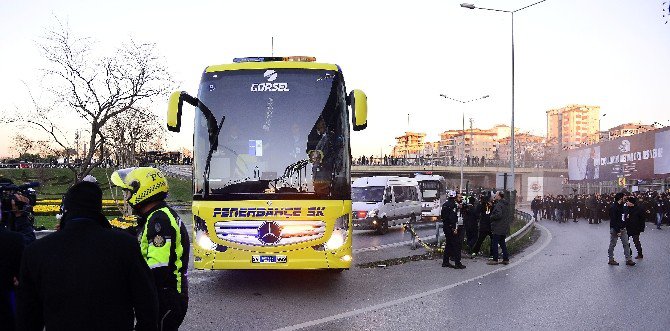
x=452, y=244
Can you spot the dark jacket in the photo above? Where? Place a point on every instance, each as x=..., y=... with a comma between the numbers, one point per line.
x=616, y=214
x=635, y=220
x=449, y=215
x=485, y=217
x=85, y=277
x=536, y=204
x=500, y=220
x=11, y=249
x=470, y=216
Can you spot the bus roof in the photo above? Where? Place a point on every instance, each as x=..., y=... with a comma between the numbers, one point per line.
x=272, y=65
x=420, y=177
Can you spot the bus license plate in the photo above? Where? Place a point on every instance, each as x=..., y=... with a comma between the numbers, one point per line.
x=268, y=259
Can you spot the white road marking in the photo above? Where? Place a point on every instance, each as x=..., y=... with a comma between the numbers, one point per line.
x=418, y=295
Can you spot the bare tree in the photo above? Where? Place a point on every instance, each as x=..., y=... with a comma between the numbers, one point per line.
x=97, y=89
x=23, y=144
x=132, y=133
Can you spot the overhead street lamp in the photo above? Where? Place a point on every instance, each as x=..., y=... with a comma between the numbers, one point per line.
x=472, y=6
x=463, y=149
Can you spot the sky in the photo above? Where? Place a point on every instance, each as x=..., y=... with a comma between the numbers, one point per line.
x=403, y=54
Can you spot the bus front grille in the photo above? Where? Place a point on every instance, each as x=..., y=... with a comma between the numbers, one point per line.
x=270, y=233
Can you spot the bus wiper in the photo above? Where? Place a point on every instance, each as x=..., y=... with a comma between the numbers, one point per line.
x=213, y=131
x=293, y=169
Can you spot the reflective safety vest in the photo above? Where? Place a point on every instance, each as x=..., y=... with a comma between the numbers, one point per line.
x=161, y=251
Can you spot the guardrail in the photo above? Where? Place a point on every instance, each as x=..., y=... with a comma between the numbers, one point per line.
x=525, y=229
x=518, y=214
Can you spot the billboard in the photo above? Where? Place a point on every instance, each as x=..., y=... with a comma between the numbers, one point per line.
x=535, y=187
x=640, y=156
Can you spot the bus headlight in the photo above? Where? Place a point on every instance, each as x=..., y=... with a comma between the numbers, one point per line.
x=373, y=213
x=203, y=241
x=336, y=240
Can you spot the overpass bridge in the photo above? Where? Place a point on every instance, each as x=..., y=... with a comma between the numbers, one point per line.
x=546, y=180
x=549, y=180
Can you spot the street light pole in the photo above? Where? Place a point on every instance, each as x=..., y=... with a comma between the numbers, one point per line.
x=463, y=131
x=472, y=6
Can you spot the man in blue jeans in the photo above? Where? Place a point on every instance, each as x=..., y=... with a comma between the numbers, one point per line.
x=660, y=209
x=618, y=230
x=500, y=223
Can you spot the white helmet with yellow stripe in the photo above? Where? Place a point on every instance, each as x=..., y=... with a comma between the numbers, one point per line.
x=141, y=184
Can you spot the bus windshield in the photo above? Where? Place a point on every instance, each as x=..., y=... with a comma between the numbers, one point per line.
x=367, y=194
x=285, y=135
x=430, y=190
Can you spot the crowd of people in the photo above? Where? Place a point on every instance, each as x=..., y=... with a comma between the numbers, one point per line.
x=627, y=213
x=474, y=221
x=595, y=207
x=90, y=276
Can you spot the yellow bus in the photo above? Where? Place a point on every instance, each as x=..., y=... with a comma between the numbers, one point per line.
x=271, y=164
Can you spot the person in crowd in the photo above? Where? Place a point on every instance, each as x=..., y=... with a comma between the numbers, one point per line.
x=164, y=239
x=635, y=223
x=11, y=249
x=85, y=276
x=470, y=219
x=660, y=207
x=618, y=230
x=485, y=209
x=452, y=246
x=536, y=206
x=500, y=224
x=560, y=208
x=592, y=208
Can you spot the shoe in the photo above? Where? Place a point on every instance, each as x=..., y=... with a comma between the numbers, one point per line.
x=447, y=265
x=473, y=255
x=590, y=222
x=630, y=263
x=658, y=228
x=612, y=262
x=505, y=262
x=639, y=256
x=575, y=221
x=459, y=266
x=492, y=262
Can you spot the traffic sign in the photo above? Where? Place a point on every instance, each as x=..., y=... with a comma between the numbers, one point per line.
x=622, y=181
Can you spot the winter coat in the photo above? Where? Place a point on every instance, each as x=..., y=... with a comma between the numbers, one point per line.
x=536, y=204
x=86, y=277
x=449, y=215
x=485, y=218
x=635, y=220
x=500, y=220
x=11, y=248
x=616, y=213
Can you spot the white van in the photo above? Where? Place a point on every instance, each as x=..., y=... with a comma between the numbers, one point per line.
x=434, y=195
x=383, y=201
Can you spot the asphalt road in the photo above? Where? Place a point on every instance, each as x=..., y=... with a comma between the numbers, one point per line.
x=561, y=282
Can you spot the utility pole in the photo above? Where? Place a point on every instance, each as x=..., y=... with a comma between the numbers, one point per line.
x=472, y=142
x=462, y=153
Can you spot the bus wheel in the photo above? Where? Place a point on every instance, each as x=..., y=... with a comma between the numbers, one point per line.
x=383, y=226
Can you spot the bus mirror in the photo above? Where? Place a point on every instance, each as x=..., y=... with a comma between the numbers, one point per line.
x=359, y=109
x=174, y=111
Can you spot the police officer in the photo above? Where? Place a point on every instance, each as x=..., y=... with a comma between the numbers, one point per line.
x=163, y=238
x=452, y=244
